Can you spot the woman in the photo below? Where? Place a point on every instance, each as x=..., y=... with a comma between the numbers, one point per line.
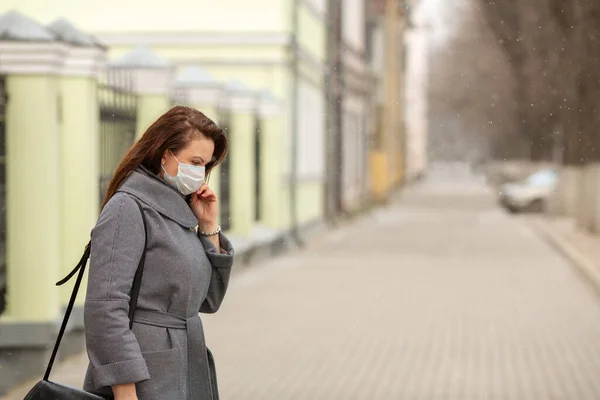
x=186, y=272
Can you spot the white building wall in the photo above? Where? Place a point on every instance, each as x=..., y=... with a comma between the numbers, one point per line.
x=353, y=23
x=416, y=98
x=311, y=132
x=356, y=106
x=354, y=156
x=318, y=5
x=160, y=16
x=378, y=61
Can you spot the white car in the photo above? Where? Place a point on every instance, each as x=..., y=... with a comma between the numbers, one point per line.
x=530, y=194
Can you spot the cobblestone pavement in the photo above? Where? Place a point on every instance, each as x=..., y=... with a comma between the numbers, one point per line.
x=438, y=296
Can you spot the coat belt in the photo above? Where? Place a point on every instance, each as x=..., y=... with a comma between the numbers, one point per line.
x=198, y=369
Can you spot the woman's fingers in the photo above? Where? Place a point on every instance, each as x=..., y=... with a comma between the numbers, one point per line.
x=202, y=189
x=208, y=193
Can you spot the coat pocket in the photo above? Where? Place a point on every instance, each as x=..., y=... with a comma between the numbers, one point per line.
x=165, y=376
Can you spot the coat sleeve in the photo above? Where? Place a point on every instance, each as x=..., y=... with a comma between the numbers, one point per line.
x=221, y=270
x=117, y=246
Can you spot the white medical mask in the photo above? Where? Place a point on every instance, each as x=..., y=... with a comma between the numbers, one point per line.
x=189, y=177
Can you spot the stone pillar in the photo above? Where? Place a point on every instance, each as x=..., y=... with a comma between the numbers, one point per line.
x=204, y=93
x=79, y=150
x=31, y=61
x=242, y=105
x=272, y=128
x=152, y=80
x=33, y=184
x=150, y=107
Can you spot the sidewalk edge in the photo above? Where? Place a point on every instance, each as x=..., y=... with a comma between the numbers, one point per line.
x=582, y=264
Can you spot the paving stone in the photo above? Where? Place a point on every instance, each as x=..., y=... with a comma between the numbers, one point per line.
x=422, y=300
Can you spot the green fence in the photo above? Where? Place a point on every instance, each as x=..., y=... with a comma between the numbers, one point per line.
x=118, y=110
x=257, y=168
x=225, y=177
x=178, y=97
x=3, y=102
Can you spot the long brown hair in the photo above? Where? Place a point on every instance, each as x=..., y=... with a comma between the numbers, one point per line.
x=172, y=131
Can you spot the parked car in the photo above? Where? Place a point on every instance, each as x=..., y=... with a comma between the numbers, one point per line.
x=530, y=194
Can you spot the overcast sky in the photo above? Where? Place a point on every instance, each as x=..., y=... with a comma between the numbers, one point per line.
x=442, y=16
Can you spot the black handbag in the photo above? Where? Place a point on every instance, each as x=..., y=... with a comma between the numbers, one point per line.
x=48, y=390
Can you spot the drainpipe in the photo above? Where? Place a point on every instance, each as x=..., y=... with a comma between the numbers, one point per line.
x=331, y=86
x=338, y=146
x=389, y=139
x=332, y=91
x=294, y=140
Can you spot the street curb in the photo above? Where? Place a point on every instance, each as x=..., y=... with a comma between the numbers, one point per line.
x=582, y=264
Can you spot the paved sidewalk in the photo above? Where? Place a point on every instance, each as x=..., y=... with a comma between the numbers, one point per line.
x=439, y=296
x=578, y=246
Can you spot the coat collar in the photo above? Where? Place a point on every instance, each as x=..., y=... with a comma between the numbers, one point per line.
x=157, y=194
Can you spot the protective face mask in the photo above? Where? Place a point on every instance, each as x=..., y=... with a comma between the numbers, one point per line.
x=189, y=177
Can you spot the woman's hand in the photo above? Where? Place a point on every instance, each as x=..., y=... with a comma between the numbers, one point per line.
x=205, y=206
x=126, y=397
x=125, y=392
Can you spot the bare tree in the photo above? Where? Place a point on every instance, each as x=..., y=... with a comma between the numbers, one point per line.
x=521, y=76
x=526, y=37
x=553, y=51
x=471, y=93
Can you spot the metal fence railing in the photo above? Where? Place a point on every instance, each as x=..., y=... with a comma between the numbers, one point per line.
x=257, y=169
x=178, y=97
x=118, y=118
x=225, y=177
x=3, y=282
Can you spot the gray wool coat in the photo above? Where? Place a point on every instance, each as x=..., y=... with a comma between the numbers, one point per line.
x=164, y=353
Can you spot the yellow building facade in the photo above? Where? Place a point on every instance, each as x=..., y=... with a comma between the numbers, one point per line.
x=257, y=68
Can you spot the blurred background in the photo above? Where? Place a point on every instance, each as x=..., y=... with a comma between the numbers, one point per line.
x=412, y=186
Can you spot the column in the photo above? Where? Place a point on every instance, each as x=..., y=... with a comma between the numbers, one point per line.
x=217, y=176
x=212, y=112
x=152, y=81
x=33, y=187
x=79, y=146
x=150, y=107
x=272, y=125
x=243, y=113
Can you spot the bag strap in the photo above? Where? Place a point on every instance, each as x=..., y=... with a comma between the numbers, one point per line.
x=137, y=279
x=135, y=290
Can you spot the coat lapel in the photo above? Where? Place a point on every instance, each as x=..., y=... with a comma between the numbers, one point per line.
x=154, y=192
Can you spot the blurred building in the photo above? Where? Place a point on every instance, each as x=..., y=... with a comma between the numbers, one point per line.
x=267, y=45
x=397, y=48
x=385, y=32
x=350, y=114
x=416, y=90
x=312, y=93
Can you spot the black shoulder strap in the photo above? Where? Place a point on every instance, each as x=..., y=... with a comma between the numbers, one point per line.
x=135, y=290
x=137, y=279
